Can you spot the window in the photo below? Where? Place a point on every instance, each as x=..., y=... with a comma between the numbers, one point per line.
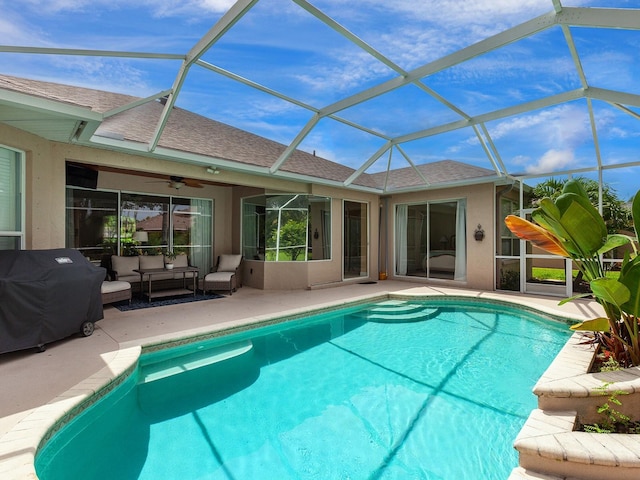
x=11, y=199
x=286, y=227
x=355, y=239
x=105, y=222
x=92, y=222
x=144, y=213
x=430, y=240
x=509, y=243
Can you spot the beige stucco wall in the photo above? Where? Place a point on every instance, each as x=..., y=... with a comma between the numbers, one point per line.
x=301, y=275
x=480, y=210
x=45, y=178
x=45, y=216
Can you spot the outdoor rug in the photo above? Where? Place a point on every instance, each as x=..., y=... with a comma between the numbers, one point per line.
x=138, y=303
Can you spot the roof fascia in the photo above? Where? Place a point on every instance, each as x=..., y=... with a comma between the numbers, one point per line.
x=50, y=107
x=205, y=161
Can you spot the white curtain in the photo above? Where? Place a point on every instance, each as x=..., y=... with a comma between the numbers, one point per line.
x=461, y=241
x=201, y=235
x=402, y=213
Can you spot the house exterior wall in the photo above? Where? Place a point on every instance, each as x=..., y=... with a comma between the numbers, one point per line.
x=45, y=216
x=45, y=179
x=45, y=204
x=480, y=211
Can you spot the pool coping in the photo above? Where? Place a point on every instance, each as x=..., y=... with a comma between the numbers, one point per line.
x=548, y=442
x=19, y=446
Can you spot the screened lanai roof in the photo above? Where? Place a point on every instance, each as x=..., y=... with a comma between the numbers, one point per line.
x=526, y=90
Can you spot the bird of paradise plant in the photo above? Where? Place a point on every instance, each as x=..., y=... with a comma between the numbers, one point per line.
x=573, y=228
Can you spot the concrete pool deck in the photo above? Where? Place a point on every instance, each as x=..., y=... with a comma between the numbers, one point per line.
x=39, y=387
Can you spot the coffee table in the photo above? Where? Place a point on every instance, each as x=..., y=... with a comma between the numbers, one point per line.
x=170, y=292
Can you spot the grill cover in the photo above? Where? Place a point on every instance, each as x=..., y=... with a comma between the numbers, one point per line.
x=46, y=295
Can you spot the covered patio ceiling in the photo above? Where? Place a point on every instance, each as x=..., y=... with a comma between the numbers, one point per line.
x=530, y=91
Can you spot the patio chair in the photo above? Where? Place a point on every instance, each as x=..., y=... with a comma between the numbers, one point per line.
x=225, y=275
x=115, y=291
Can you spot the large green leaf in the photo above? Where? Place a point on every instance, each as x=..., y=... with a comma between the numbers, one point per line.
x=574, y=297
x=575, y=186
x=548, y=216
x=583, y=223
x=614, y=241
x=610, y=290
x=635, y=211
x=600, y=324
x=630, y=278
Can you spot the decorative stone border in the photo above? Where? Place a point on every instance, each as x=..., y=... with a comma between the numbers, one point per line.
x=548, y=444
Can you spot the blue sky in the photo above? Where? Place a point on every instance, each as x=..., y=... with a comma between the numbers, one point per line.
x=281, y=46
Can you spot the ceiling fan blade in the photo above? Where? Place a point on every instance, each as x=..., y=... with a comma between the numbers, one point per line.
x=189, y=182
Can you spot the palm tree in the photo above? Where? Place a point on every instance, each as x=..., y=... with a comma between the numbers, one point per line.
x=615, y=212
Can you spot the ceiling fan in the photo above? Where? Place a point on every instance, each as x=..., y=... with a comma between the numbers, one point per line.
x=178, y=182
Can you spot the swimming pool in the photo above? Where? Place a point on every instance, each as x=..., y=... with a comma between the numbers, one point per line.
x=393, y=390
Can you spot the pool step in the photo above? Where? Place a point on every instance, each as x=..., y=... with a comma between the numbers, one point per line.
x=201, y=357
x=400, y=312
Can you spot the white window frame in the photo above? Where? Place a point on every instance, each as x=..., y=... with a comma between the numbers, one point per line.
x=20, y=233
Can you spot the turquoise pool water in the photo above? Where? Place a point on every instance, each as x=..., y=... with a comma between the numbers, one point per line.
x=393, y=390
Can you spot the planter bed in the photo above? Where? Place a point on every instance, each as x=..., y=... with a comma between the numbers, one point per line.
x=549, y=444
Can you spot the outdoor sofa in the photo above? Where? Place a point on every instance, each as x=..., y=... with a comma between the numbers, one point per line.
x=122, y=268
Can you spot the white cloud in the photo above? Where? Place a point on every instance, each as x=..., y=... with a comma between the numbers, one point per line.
x=344, y=72
x=566, y=125
x=13, y=31
x=551, y=161
x=445, y=12
x=164, y=8
x=171, y=8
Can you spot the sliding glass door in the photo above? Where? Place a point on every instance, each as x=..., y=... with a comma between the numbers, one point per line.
x=430, y=240
x=356, y=240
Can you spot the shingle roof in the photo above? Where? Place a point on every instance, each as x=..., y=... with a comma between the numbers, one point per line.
x=442, y=172
x=94, y=100
x=189, y=132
